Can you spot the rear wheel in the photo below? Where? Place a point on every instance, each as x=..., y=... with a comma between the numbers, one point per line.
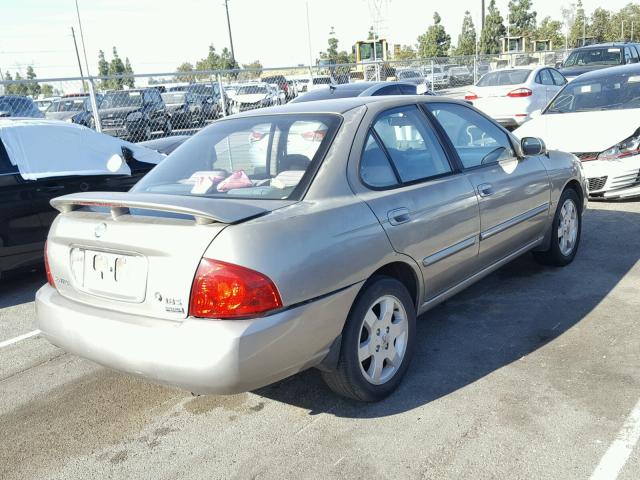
x=565, y=232
x=377, y=342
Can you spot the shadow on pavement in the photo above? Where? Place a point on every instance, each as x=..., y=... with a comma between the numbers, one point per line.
x=17, y=288
x=504, y=317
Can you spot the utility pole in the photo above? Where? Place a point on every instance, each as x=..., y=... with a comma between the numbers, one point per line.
x=233, y=55
x=482, y=18
x=309, y=36
x=622, y=31
x=75, y=44
x=92, y=93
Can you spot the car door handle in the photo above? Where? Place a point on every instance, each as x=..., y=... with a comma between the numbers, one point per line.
x=398, y=216
x=485, y=190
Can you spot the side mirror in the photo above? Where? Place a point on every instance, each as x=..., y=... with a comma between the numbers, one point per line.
x=533, y=146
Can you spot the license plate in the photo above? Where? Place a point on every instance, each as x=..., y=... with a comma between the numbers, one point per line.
x=112, y=275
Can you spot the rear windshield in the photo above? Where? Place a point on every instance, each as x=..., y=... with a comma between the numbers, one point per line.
x=321, y=81
x=251, y=89
x=504, y=77
x=611, y=92
x=595, y=56
x=67, y=105
x=263, y=157
x=408, y=74
x=173, y=97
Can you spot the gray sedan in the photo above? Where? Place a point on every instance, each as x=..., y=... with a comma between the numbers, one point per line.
x=306, y=235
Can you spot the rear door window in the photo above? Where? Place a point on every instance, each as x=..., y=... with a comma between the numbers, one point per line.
x=477, y=140
x=558, y=79
x=411, y=144
x=545, y=77
x=375, y=167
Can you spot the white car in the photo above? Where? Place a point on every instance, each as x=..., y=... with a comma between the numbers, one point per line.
x=511, y=95
x=597, y=117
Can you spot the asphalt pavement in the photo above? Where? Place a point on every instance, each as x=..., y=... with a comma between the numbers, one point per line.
x=530, y=374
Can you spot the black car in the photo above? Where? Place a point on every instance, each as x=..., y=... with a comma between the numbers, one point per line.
x=25, y=212
x=185, y=108
x=281, y=81
x=209, y=94
x=360, y=89
x=18, y=106
x=134, y=114
x=597, y=56
x=85, y=116
x=459, y=76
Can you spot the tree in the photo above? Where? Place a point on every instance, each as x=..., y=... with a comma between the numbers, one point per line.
x=406, y=52
x=467, y=38
x=435, y=42
x=185, y=67
x=493, y=30
x=579, y=27
x=130, y=81
x=47, y=90
x=20, y=88
x=33, y=87
x=103, y=70
x=550, y=30
x=116, y=67
x=333, y=54
x=522, y=20
x=599, y=24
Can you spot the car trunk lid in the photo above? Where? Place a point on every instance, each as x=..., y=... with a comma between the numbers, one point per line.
x=138, y=253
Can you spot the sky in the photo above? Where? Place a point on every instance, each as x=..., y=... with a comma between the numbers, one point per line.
x=158, y=35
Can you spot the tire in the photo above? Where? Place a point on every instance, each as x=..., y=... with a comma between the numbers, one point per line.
x=565, y=232
x=377, y=339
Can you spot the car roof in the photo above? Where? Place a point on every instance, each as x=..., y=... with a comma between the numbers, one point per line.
x=606, y=44
x=631, y=68
x=346, y=90
x=343, y=105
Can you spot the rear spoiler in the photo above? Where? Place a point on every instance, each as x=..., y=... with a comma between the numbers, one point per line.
x=203, y=210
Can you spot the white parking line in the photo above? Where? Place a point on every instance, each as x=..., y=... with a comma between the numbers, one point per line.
x=618, y=453
x=19, y=338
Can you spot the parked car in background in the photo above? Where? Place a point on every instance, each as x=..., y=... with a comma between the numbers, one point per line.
x=279, y=94
x=18, y=106
x=597, y=117
x=601, y=55
x=211, y=95
x=85, y=116
x=251, y=96
x=165, y=145
x=320, y=81
x=436, y=76
x=221, y=276
x=65, y=108
x=43, y=159
x=301, y=85
x=43, y=103
x=281, y=81
x=413, y=75
x=511, y=95
x=134, y=114
x=185, y=109
x=360, y=89
x=460, y=76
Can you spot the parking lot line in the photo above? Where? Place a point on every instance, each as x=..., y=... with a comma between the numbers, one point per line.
x=19, y=338
x=618, y=453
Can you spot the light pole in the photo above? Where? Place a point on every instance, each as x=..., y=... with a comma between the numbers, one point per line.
x=233, y=54
x=92, y=93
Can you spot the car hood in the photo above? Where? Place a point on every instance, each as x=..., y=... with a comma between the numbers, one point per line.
x=250, y=97
x=117, y=112
x=575, y=71
x=582, y=131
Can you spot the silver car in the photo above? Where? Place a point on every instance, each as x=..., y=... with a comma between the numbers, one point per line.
x=231, y=266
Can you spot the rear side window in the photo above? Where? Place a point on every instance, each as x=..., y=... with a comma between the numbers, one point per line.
x=407, y=89
x=388, y=90
x=477, y=140
x=411, y=144
x=544, y=77
x=558, y=79
x=375, y=169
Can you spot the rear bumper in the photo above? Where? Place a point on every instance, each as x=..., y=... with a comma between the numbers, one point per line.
x=202, y=356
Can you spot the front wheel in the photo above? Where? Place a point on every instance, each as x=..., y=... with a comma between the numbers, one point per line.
x=565, y=232
x=377, y=342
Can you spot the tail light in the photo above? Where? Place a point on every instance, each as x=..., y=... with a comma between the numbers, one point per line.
x=519, y=93
x=285, y=87
x=226, y=291
x=47, y=269
x=471, y=96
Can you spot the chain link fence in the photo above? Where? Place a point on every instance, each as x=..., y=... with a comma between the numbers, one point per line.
x=148, y=106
